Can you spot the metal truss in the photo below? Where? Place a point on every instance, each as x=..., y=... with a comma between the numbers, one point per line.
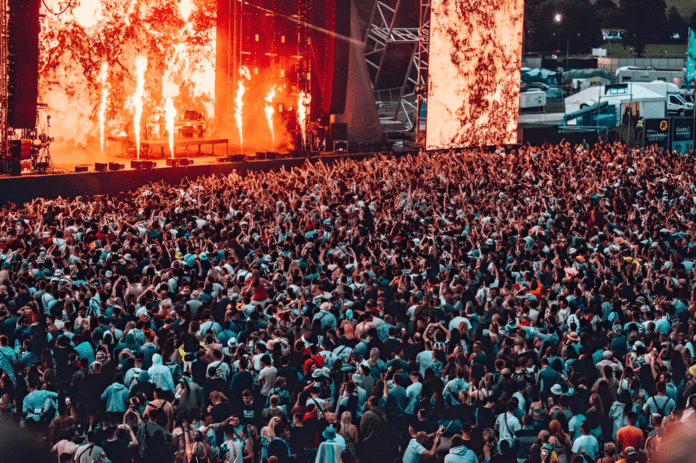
x=401, y=103
x=422, y=79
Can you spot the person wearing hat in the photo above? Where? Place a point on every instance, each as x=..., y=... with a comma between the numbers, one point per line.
x=630, y=454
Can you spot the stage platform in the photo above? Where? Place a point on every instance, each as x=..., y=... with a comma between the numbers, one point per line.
x=65, y=182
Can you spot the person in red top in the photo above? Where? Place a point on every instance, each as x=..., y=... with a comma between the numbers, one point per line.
x=629, y=435
x=315, y=359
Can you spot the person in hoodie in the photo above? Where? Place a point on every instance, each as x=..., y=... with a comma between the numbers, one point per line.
x=143, y=385
x=129, y=344
x=148, y=351
x=116, y=396
x=160, y=374
x=459, y=453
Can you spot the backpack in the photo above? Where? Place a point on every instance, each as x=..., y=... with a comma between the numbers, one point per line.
x=688, y=388
x=652, y=444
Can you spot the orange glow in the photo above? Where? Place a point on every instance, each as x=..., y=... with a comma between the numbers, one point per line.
x=303, y=101
x=103, y=74
x=244, y=74
x=140, y=68
x=269, y=113
x=117, y=31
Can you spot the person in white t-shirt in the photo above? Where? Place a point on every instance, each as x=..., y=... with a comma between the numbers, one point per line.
x=507, y=424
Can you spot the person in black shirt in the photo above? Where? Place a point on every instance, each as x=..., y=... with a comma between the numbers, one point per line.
x=250, y=410
x=242, y=380
x=222, y=408
x=215, y=382
x=279, y=446
x=199, y=368
x=121, y=447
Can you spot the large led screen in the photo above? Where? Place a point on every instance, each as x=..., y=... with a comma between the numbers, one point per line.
x=474, y=72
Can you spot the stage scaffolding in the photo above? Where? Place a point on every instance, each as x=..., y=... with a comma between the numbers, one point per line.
x=389, y=27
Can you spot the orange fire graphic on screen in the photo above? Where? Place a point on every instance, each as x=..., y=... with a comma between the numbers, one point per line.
x=244, y=74
x=117, y=31
x=303, y=101
x=269, y=112
x=103, y=74
x=140, y=68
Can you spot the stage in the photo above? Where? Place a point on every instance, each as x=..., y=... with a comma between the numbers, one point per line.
x=65, y=182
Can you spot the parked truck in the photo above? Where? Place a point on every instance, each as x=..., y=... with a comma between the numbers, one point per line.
x=638, y=74
x=533, y=99
x=675, y=103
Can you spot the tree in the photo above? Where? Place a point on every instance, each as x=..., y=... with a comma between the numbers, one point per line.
x=608, y=14
x=579, y=27
x=677, y=24
x=646, y=22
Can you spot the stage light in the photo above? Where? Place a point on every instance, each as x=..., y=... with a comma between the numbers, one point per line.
x=179, y=162
x=142, y=165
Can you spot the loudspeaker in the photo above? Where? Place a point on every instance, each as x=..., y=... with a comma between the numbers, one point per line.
x=339, y=131
x=81, y=168
x=330, y=56
x=15, y=149
x=23, y=68
x=100, y=166
x=14, y=167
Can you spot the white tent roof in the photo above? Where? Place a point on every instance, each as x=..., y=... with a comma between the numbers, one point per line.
x=635, y=93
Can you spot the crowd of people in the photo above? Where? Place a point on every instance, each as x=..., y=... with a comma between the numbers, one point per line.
x=528, y=305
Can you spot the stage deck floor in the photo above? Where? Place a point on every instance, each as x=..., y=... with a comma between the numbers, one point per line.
x=65, y=160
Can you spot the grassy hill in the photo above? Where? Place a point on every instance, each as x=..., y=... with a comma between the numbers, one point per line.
x=686, y=7
x=620, y=51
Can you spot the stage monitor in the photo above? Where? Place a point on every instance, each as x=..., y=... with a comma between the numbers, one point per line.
x=474, y=72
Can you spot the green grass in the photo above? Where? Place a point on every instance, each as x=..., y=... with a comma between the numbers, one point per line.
x=685, y=7
x=671, y=49
x=621, y=51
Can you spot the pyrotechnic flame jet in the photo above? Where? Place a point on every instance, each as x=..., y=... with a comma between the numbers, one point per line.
x=303, y=101
x=269, y=112
x=140, y=68
x=103, y=74
x=244, y=74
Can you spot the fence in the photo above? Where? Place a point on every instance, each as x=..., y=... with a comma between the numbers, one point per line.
x=612, y=64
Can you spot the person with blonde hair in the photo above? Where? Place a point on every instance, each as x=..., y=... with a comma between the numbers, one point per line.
x=198, y=454
x=267, y=435
x=349, y=432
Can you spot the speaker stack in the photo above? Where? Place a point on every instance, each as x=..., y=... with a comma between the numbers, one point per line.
x=23, y=69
